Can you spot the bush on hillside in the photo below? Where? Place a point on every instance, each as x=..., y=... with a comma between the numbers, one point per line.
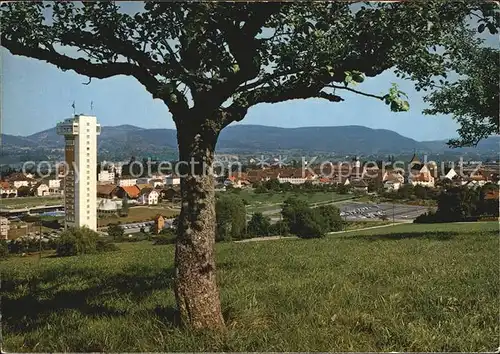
x=259, y=225
x=4, y=250
x=166, y=237
x=77, y=241
x=310, y=224
x=104, y=246
x=280, y=228
x=230, y=218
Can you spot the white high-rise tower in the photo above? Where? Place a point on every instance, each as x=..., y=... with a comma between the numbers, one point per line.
x=80, y=192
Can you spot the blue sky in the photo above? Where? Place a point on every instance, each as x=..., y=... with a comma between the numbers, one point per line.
x=36, y=95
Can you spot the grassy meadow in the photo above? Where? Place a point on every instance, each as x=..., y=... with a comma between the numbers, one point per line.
x=400, y=288
x=24, y=202
x=136, y=214
x=272, y=200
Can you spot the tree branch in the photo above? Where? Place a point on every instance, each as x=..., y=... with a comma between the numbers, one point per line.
x=99, y=71
x=355, y=91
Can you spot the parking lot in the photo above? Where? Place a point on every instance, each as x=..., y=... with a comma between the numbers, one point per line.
x=400, y=212
x=136, y=227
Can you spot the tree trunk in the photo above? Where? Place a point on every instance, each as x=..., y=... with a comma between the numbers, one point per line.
x=196, y=289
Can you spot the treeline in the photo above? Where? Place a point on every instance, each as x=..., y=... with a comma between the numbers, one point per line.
x=463, y=204
x=273, y=185
x=297, y=218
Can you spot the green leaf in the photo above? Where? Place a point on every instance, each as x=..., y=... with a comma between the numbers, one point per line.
x=492, y=28
x=235, y=68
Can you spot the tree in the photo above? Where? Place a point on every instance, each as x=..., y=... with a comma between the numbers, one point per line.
x=124, y=209
x=24, y=191
x=210, y=62
x=75, y=241
x=115, y=231
x=231, y=218
x=472, y=99
x=332, y=217
x=259, y=225
x=457, y=204
x=310, y=223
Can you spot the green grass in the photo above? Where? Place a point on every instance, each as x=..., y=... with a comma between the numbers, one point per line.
x=136, y=214
x=269, y=201
x=402, y=288
x=23, y=202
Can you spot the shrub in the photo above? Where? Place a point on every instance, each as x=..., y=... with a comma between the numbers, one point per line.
x=4, y=249
x=259, y=225
x=76, y=241
x=166, y=237
x=332, y=217
x=104, y=246
x=280, y=228
x=230, y=218
x=115, y=231
x=310, y=224
x=427, y=218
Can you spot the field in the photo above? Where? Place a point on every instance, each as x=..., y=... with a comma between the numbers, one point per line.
x=400, y=288
x=23, y=202
x=269, y=201
x=136, y=214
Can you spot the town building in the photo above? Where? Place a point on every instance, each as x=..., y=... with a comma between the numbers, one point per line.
x=159, y=223
x=106, y=191
x=54, y=183
x=148, y=196
x=130, y=192
x=4, y=228
x=172, y=180
x=7, y=190
x=106, y=176
x=126, y=182
x=41, y=189
x=80, y=204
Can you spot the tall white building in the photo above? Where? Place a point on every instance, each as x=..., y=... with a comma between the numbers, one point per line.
x=80, y=191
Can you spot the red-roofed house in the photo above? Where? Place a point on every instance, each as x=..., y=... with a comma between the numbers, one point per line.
x=7, y=190
x=132, y=192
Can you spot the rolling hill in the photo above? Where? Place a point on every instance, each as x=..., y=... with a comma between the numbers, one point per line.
x=132, y=140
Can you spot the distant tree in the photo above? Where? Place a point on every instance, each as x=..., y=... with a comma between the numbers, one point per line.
x=115, y=231
x=24, y=191
x=231, y=218
x=457, y=204
x=280, y=228
x=331, y=215
x=272, y=185
x=124, y=209
x=421, y=192
x=76, y=241
x=259, y=225
x=4, y=249
x=310, y=224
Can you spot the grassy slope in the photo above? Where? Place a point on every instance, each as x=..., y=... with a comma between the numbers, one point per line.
x=136, y=214
x=22, y=202
x=406, y=288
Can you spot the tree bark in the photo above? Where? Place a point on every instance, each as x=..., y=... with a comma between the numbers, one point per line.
x=196, y=290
